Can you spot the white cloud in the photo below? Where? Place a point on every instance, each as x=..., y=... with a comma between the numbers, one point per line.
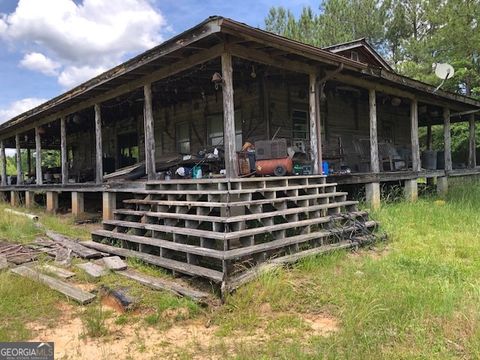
x=73, y=75
x=81, y=37
x=18, y=107
x=38, y=62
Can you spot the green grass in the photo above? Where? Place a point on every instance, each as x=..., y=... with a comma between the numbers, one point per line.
x=417, y=296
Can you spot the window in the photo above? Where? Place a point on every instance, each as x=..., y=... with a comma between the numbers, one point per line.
x=354, y=55
x=182, y=134
x=215, y=130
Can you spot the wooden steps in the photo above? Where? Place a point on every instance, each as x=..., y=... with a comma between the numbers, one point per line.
x=216, y=228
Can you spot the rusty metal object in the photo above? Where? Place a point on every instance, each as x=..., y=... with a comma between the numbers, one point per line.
x=277, y=167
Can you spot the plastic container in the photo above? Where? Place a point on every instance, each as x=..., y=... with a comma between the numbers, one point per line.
x=325, y=168
x=429, y=159
x=197, y=172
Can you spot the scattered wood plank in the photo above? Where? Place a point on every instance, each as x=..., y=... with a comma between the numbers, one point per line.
x=114, y=263
x=68, y=290
x=65, y=274
x=75, y=246
x=30, y=216
x=92, y=269
x=3, y=262
x=166, y=285
x=118, y=299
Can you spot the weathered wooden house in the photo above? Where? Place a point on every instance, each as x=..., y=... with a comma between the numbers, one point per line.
x=191, y=103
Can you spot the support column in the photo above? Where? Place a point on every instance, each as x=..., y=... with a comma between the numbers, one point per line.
x=78, y=203
x=98, y=141
x=14, y=198
x=3, y=164
x=18, y=156
x=52, y=201
x=442, y=185
x=447, y=139
x=416, y=165
x=372, y=192
x=109, y=205
x=149, y=133
x=38, y=157
x=29, y=199
x=63, y=147
x=231, y=163
x=472, y=147
x=29, y=163
x=429, y=138
x=315, y=129
x=411, y=190
x=374, y=162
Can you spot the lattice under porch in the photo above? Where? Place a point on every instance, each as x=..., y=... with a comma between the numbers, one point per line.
x=218, y=228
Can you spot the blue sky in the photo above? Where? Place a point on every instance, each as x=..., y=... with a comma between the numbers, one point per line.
x=49, y=46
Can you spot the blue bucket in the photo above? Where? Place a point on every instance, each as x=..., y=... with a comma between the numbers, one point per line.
x=325, y=168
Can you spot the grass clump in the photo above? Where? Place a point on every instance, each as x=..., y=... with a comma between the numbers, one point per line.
x=94, y=321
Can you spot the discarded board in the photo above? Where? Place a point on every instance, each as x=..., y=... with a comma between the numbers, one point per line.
x=114, y=263
x=3, y=262
x=65, y=274
x=118, y=299
x=68, y=290
x=92, y=269
x=75, y=246
x=170, y=286
x=30, y=216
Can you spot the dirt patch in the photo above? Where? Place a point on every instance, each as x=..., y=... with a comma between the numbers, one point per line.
x=322, y=324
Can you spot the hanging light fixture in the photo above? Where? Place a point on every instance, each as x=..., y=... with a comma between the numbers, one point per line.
x=217, y=80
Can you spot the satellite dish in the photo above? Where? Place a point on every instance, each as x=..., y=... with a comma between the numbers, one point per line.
x=443, y=71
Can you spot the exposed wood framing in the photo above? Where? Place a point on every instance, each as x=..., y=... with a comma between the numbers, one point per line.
x=149, y=133
x=98, y=141
x=3, y=164
x=315, y=142
x=472, y=148
x=447, y=139
x=374, y=162
x=63, y=147
x=231, y=164
x=38, y=157
x=18, y=156
x=416, y=165
x=429, y=137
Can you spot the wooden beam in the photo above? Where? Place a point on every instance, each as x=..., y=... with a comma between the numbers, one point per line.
x=231, y=164
x=38, y=157
x=314, y=118
x=447, y=139
x=3, y=164
x=148, y=124
x=374, y=162
x=18, y=156
x=98, y=141
x=416, y=165
x=63, y=147
x=265, y=58
x=472, y=148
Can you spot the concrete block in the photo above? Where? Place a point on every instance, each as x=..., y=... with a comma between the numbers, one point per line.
x=15, y=198
x=411, y=190
x=109, y=205
x=52, y=201
x=442, y=185
x=29, y=199
x=78, y=203
x=372, y=191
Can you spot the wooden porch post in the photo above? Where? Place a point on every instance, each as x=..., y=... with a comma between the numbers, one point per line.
x=3, y=164
x=231, y=165
x=472, y=148
x=315, y=130
x=19, y=160
x=416, y=165
x=63, y=146
x=429, y=137
x=374, y=162
x=98, y=141
x=149, y=133
x=447, y=139
x=38, y=157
